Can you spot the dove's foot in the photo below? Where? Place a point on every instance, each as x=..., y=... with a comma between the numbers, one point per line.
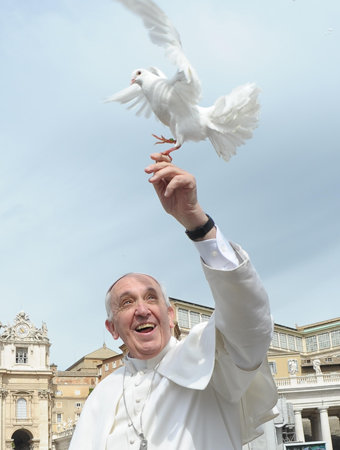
x=163, y=140
x=167, y=152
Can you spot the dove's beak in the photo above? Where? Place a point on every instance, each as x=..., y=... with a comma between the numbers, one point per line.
x=133, y=80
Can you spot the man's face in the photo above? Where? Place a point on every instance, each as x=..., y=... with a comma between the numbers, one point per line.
x=141, y=318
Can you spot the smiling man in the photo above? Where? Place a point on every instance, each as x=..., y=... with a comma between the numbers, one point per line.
x=139, y=315
x=211, y=391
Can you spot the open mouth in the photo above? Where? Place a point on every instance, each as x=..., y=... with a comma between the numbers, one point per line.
x=145, y=328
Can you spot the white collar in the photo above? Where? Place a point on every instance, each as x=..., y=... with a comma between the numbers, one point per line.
x=134, y=365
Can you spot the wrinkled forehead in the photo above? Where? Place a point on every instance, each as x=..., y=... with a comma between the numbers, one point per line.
x=130, y=279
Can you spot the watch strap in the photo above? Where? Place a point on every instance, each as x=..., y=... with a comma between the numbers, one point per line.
x=201, y=231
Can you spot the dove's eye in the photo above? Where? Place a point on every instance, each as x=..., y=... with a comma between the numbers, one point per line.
x=138, y=72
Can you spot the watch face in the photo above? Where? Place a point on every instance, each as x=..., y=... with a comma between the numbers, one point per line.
x=22, y=330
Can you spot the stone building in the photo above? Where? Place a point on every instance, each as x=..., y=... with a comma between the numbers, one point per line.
x=187, y=315
x=25, y=386
x=109, y=365
x=71, y=388
x=305, y=363
x=40, y=405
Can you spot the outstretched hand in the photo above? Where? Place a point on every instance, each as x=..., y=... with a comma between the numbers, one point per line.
x=177, y=191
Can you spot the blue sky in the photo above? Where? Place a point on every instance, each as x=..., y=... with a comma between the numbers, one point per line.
x=76, y=210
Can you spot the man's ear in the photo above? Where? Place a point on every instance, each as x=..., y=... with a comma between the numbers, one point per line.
x=111, y=328
x=171, y=315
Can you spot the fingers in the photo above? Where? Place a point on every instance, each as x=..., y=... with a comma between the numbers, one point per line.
x=169, y=178
x=160, y=157
x=165, y=171
x=161, y=161
x=156, y=167
x=179, y=182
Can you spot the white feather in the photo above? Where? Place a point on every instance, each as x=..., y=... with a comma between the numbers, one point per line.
x=133, y=92
x=227, y=123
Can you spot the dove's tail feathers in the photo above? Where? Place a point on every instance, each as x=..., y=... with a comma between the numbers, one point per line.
x=225, y=146
x=233, y=117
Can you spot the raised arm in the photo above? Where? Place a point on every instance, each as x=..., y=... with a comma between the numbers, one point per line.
x=177, y=193
x=242, y=309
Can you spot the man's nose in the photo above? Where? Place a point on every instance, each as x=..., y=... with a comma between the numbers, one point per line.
x=142, y=309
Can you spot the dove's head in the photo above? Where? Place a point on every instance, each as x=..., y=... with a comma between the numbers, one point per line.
x=137, y=76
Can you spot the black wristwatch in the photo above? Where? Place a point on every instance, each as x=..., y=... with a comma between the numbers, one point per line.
x=200, y=232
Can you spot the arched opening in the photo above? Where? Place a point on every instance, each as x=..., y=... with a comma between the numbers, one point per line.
x=22, y=439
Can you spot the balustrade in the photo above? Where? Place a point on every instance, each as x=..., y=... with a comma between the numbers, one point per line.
x=308, y=379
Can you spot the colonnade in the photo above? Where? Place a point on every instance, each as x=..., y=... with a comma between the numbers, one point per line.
x=319, y=424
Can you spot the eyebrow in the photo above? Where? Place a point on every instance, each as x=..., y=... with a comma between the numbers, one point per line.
x=147, y=290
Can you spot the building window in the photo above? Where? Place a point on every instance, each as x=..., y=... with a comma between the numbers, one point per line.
x=275, y=341
x=78, y=405
x=59, y=393
x=59, y=417
x=311, y=344
x=77, y=392
x=114, y=364
x=21, y=408
x=324, y=341
x=299, y=344
x=335, y=338
x=291, y=342
x=106, y=367
x=272, y=365
x=183, y=318
x=283, y=340
x=188, y=319
x=21, y=355
x=194, y=318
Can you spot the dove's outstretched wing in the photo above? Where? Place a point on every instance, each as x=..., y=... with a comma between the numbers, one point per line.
x=232, y=119
x=135, y=95
x=164, y=34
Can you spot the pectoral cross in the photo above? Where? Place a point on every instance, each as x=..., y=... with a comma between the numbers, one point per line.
x=143, y=442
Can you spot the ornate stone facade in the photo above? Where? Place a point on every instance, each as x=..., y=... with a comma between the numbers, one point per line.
x=39, y=406
x=25, y=385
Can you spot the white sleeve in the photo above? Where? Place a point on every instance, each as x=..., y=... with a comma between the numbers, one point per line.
x=242, y=312
x=218, y=253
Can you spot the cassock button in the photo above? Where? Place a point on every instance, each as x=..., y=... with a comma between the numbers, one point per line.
x=132, y=441
x=129, y=424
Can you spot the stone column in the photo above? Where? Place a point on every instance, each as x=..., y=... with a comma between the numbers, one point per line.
x=316, y=429
x=43, y=443
x=299, y=434
x=3, y=395
x=325, y=429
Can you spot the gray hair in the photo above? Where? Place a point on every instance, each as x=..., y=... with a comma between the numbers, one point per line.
x=109, y=311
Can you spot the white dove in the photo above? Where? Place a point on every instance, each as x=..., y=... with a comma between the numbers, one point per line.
x=174, y=101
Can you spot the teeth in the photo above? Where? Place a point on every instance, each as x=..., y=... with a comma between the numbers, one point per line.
x=145, y=325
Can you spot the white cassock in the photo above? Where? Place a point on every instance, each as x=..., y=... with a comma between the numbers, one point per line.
x=211, y=391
